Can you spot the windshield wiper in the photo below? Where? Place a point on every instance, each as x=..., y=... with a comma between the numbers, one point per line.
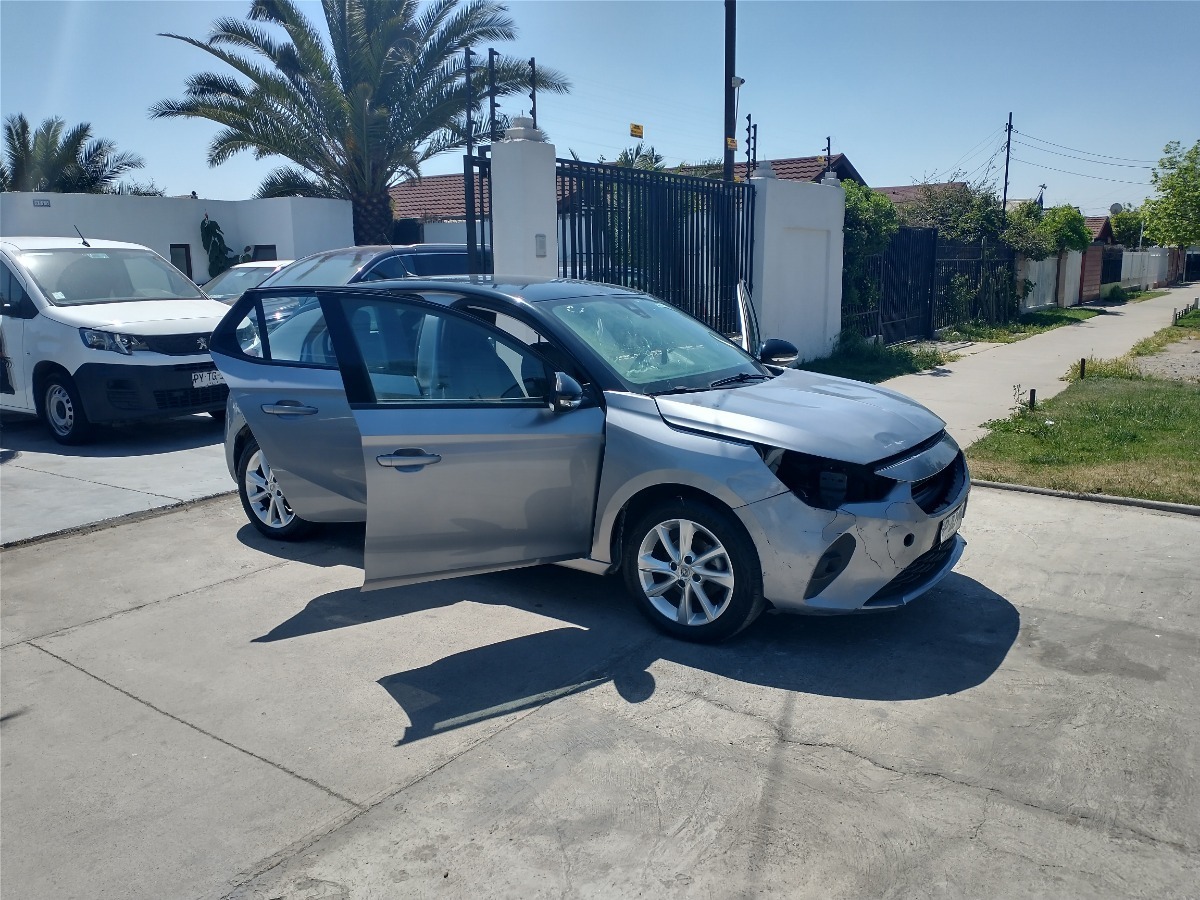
x=739, y=378
x=678, y=390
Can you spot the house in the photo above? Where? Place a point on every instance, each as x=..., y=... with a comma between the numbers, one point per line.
x=1101, y=229
x=910, y=193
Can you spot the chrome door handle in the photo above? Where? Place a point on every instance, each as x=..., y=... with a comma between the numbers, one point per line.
x=288, y=409
x=408, y=459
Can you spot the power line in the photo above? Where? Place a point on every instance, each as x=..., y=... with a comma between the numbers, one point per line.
x=1096, y=162
x=970, y=153
x=1086, y=152
x=1081, y=174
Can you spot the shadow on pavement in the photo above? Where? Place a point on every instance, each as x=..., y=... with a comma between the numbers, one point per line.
x=24, y=434
x=950, y=640
x=338, y=544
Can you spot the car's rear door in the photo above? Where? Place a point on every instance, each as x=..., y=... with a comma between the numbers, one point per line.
x=277, y=356
x=468, y=469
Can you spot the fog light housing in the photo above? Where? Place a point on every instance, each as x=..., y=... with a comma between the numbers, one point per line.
x=833, y=563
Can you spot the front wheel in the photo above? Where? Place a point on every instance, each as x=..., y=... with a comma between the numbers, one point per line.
x=693, y=570
x=263, y=501
x=62, y=410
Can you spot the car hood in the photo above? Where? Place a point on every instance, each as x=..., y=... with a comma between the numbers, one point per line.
x=810, y=413
x=143, y=316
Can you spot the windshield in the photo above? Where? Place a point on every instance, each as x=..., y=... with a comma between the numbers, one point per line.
x=77, y=276
x=327, y=269
x=232, y=283
x=652, y=346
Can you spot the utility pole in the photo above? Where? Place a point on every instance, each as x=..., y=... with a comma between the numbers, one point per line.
x=730, y=52
x=1007, y=151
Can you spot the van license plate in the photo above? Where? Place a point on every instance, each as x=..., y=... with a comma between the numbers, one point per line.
x=950, y=524
x=207, y=379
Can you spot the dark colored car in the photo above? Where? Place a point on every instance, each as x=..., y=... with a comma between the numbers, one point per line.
x=376, y=263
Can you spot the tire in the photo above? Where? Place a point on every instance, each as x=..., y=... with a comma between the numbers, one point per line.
x=264, y=505
x=62, y=410
x=663, y=584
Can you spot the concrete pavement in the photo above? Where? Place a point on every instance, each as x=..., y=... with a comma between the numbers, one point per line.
x=192, y=711
x=979, y=387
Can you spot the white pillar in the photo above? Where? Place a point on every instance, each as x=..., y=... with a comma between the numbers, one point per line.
x=798, y=262
x=524, y=204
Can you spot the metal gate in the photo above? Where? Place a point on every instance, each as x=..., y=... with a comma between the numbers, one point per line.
x=906, y=285
x=477, y=192
x=685, y=239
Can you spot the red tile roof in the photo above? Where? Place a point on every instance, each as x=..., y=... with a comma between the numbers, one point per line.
x=907, y=193
x=1100, y=227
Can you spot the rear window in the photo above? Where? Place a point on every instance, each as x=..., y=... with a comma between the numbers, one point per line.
x=326, y=270
x=79, y=276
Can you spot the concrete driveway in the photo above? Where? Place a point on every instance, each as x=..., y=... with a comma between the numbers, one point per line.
x=190, y=711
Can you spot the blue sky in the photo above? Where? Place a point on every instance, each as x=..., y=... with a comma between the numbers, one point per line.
x=905, y=90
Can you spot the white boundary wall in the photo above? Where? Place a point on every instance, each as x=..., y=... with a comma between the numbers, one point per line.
x=1044, y=275
x=297, y=226
x=798, y=263
x=1070, y=273
x=1144, y=269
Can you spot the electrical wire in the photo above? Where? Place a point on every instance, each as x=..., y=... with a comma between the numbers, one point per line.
x=970, y=153
x=1085, y=152
x=986, y=166
x=1097, y=162
x=1081, y=174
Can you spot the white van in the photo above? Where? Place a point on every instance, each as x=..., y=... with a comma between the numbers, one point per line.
x=101, y=331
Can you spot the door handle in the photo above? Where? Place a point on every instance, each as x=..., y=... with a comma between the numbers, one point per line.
x=288, y=409
x=408, y=460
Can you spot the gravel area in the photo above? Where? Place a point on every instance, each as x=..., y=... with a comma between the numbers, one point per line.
x=1179, y=361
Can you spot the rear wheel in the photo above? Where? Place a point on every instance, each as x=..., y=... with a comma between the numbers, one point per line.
x=263, y=501
x=62, y=410
x=693, y=570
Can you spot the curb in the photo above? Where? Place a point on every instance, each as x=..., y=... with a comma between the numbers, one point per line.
x=128, y=518
x=1183, y=508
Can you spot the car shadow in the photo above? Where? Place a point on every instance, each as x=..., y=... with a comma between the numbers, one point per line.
x=339, y=544
x=947, y=641
x=24, y=434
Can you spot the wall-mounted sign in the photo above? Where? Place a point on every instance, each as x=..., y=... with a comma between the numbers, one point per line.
x=635, y=130
x=731, y=143
x=45, y=203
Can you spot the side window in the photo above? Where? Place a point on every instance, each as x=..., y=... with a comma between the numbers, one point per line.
x=287, y=330
x=416, y=354
x=558, y=359
x=14, y=300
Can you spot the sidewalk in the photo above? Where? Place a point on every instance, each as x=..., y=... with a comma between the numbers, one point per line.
x=979, y=387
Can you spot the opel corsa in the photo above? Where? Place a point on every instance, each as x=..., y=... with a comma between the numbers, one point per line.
x=479, y=424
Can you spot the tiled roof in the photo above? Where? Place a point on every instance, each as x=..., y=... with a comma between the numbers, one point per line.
x=1099, y=226
x=907, y=193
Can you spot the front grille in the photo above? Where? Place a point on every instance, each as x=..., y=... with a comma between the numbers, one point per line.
x=918, y=572
x=123, y=399
x=935, y=493
x=188, y=398
x=177, y=344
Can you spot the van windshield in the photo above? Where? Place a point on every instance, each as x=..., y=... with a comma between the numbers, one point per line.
x=77, y=276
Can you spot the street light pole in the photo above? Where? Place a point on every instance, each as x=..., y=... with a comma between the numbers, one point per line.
x=730, y=98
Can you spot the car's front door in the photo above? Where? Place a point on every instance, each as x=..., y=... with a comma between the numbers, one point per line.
x=468, y=468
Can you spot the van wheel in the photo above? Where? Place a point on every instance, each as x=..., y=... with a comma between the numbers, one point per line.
x=263, y=501
x=693, y=571
x=62, y=410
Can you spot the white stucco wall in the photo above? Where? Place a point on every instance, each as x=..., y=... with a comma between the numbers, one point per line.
x=297, y=226
x=1070, y=272
x=1044, y=275
x=1144, y=269
x=524, y=209
x=798, y=263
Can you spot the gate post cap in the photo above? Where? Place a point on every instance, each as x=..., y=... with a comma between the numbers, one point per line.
x=522, y=130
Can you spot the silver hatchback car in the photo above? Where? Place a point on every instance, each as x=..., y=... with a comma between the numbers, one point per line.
x=479, y=424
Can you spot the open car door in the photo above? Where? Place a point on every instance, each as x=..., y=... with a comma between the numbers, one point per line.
x=748, y=337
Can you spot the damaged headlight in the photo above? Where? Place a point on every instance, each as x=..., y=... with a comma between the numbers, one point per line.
x=825, y=483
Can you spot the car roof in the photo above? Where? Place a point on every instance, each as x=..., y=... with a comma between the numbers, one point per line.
x=262, y=264
x=379, y=249
x=515, y=287
x=65, y=243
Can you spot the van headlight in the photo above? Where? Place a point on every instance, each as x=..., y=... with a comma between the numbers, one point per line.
x=111, y=340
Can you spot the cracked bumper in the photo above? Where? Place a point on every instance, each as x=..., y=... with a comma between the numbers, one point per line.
x=899, y=551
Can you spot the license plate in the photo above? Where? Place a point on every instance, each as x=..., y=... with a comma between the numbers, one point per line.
x=950, y=524
x=207, y=379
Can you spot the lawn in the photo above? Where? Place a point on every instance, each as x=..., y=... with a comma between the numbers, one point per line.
x=1027, y=325
x=856, y=358
x=1124, y=367
x=1130, y=436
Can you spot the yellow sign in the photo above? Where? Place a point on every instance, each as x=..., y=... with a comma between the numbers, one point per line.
x=731, y=143
x=635, y=130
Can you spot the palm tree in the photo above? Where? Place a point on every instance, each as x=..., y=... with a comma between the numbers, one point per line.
x=54, y=158
x=357, y=113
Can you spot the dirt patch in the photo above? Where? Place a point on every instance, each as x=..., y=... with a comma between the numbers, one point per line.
x=1179, y=361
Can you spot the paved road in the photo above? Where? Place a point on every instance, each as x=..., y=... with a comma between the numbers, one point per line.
x=190, y=711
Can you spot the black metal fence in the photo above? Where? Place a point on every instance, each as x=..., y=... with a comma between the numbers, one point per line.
x=685, y=239
x=1110, y=267
x=477, y=189
x=921, y=284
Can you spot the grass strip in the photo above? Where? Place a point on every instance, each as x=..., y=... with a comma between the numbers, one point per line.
x=856, y=358
x=1026, y=325
x=1124, y=366
x=1127, y=436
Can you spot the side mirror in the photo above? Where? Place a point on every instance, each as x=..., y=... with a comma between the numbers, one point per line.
x=567, y=394
x=775, y=352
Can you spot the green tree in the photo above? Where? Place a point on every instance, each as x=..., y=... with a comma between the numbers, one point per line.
x=871, y=220
x=1065, y=229
x=1023, y=231
x=963, y=212
x=1173, y=214
x=1128, y=225
x=61, y=160
x=639, y=157
x=355, y=114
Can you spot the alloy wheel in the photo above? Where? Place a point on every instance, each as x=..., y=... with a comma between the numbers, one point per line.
x=685, y=572
x=264, y=495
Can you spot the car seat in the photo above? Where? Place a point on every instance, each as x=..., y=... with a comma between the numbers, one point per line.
x=468, y=367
